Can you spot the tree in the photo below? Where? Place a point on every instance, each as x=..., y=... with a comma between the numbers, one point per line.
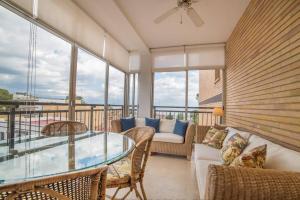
x=5, y=95
x=169, y=116
x=180, y=116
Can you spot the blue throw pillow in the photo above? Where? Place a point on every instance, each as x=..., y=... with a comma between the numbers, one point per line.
x=180, y=128
x=127, y=123
x=154, y=123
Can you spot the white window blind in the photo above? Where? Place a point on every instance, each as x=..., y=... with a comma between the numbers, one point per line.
x=116, y=54
x=66, y=17
x=205, y=56
x=168, y=58
x=134, y=62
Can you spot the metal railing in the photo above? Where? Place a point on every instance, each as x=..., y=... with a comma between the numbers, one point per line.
x=21, y=120
x=199, y=115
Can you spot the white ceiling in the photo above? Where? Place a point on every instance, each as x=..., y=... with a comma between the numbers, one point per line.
x=131, y=21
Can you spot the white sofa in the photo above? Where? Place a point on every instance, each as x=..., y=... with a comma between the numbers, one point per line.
x=278, y=157
x=166, y=141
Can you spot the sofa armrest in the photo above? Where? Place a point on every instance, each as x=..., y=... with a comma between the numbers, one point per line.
x=190, y=134
x=116, y=126
x=248, y=183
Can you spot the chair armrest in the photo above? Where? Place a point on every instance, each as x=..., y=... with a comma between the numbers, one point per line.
x=249, y=183
x=190, y=134
x=201, y=132
x=116, y=126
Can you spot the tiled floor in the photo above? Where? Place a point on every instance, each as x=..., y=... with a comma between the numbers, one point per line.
x=169, y=178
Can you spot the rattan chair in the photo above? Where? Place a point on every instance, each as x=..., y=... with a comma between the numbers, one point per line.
x=64, y=128
x=128, y=172
x=83, y=185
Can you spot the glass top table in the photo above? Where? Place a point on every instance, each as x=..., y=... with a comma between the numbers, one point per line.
x=44, y=156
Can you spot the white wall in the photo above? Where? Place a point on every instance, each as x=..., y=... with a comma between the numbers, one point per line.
x=145, y=86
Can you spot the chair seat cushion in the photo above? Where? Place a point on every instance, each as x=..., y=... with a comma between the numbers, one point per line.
x=168, y=137
x=119, y=172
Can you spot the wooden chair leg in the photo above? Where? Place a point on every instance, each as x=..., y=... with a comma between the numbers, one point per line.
x=126, y=195
x=137, y=192
x=143, y=190
x=115, y=194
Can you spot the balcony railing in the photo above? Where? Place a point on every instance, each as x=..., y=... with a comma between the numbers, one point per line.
x=199, y=115
x=21, y=120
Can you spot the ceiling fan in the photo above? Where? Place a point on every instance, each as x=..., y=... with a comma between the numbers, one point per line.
x=187, y=6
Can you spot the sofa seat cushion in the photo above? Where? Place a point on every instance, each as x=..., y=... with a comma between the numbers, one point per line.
x=201, y=173
x=278, y=157
x=168, y=137
x=204, y=152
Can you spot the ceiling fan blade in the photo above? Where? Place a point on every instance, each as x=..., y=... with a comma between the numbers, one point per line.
x=194, y=17
x=165, y=15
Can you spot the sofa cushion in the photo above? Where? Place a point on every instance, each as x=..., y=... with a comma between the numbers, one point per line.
x=278, y=157
x=168, y=137
x=139, y=122
x=217, y=140
x=204, y=152
x=210, y=133
x=201, y=173
x=233, y=148
x=127, y=123
x=166, y=125
x=180, y=128
x=154, y=123
x=255, y=158
x=232, y=131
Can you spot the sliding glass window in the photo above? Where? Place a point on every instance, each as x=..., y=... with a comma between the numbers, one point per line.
x=133, y=94
x=169, y=91
x=34, y=73
x=90, y=90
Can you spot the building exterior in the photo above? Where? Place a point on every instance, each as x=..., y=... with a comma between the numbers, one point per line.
x=210, y=88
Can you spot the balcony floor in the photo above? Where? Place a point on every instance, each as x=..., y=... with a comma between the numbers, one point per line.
x=168, y=177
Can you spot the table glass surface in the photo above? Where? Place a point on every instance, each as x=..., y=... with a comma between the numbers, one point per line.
x=44, y=156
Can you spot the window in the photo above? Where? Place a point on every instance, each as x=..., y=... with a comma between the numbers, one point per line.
x=217, y=75
x=169, y=89
x=193, y=88
x=90, y=86
x=133, y=94
x=116, y=86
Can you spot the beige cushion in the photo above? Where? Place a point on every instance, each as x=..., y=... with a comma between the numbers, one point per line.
x=166, y=126
x=168, y=137
x=204, y=152
x=201, y=173
x=278, y=157
x=140, y=122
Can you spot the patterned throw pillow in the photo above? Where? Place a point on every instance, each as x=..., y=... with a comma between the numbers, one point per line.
x=233, y=148
x=217, y=140
x=210, y=133
x=255, y=158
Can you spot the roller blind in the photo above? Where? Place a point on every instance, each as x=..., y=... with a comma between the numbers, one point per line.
x=205, y=56
x=165, y=58
x=116, y=54
x=134, y=62
x=67, y=18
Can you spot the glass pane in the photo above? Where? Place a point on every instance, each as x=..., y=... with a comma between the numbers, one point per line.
x=90, y=89
x=90, y=79
x=52, y=67
x=193, y=93
x=116, y=86
x=133, y=94
x=14, y=34
x=169, y=89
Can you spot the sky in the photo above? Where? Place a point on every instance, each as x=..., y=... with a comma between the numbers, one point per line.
x=53, y=69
